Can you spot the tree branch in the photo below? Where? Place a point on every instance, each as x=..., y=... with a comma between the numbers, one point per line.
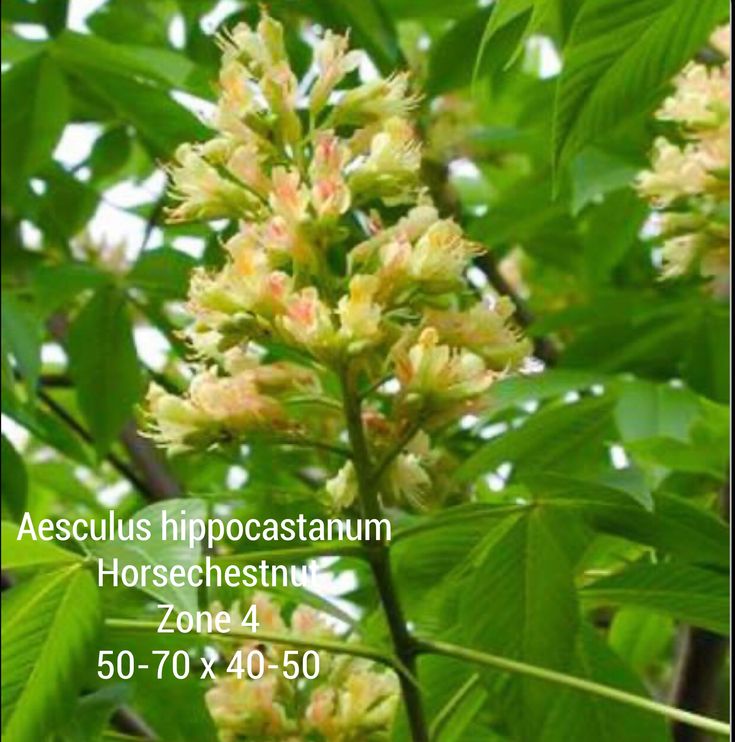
x=156, y=482
x=160, y=483
x=120, y=466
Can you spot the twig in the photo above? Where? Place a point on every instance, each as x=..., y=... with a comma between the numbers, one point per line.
x=120, y=466
x=126, y=722
x=160, y=483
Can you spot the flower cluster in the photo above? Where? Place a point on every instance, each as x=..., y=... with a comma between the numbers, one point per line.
x=690, y=174
x=339, y=263
x=351, y=700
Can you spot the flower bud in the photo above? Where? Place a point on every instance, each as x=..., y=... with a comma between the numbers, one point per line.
x=342, y=487
x=333, y=62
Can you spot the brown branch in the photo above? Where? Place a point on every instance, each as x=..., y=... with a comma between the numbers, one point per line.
x=697, y=677
x=156, y=482
x=120, y=466
x=126, y=722
x=160, y=483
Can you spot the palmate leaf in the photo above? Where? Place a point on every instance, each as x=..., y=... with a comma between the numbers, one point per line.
x=49, y=630
x=521, y=603
x=696, y=596
x=619, y=57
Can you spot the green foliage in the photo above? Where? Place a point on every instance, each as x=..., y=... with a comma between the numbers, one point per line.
x=37, y=98
x=534, y=618
x=21, y=553
x=619, y=58
x=693, y=595
x=582, y=521
x=104, y=365
x=157, y=551
x=49, y=629
x=14, y=481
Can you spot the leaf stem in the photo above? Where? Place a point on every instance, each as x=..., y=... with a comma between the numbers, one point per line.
x=298, y=552
x=237, y=634
x=570, y=681
x=441, y=719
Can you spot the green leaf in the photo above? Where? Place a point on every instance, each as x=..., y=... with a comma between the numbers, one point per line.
x=47, y=428
x=578, y=716
x=640, y=637
x=161, y=66
x=706, y=363
x=515, y=391
x=552, y=439
x=35, y=100
x=53, y=14
x=528, y=14
x=25, y=552
x=16, y=48
x=137, y=91
x=595, y=172
x=674, y=525
x=521, y=603
x=150, y=694
x=88, y=720
x=49, y=631
x=428, y=9
x=618, y=60
x=609, y=230
x=104, y=365
x=21, y=339
x=14, y=481
x=120, y=22
x=647, y=410
x=449, y=64
x=157, y=551
x=66, y=206
x=56, y=285
x=693, y=595
x=111, y=152
x=163, y=272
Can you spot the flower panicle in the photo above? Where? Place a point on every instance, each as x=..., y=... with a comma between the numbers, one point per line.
x=689, y=177
x=338, y=261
